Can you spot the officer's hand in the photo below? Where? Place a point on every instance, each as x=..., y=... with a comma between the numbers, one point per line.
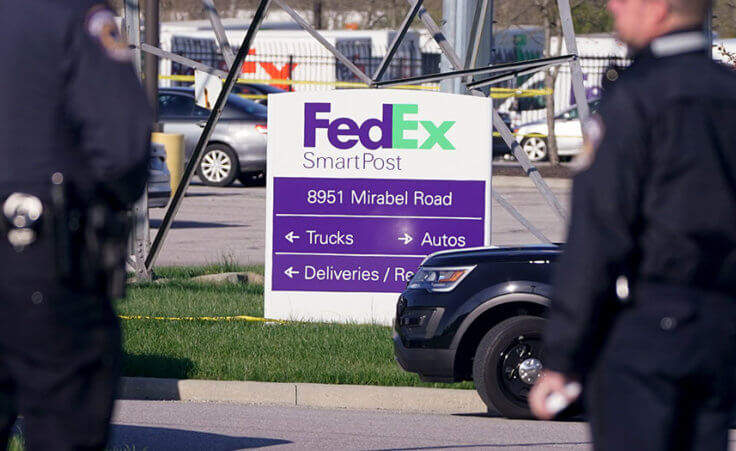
x=550, y=383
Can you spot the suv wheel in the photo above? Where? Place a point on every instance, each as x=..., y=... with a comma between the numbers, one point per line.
x=506, y=362
x=219, y=165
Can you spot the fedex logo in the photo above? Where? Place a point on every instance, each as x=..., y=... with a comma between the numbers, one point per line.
x=345, y=133
x=275, y=73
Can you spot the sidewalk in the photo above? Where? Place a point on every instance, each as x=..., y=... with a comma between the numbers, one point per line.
x=404, y=399
x=508, y=181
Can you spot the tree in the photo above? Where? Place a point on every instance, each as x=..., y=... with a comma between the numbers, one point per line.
x=592, y=16
x=551, y=24
x=724, y=18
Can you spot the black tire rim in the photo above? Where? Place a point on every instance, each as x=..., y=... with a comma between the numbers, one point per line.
x=521, y=348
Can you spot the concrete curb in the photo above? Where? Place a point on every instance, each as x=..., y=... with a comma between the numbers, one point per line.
x=507, y=181
x=405, y=399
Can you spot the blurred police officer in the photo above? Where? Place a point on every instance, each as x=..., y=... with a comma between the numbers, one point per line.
x=644, y=310
x=74, y=140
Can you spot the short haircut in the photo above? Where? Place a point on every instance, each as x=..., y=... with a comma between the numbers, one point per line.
x=692, y=9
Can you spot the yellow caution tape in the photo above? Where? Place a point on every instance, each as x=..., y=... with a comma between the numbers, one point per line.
x=496, y=93
x=337, y=84
x=252, y=319
x=505, y=93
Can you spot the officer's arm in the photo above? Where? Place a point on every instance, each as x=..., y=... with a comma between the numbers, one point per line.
x=107, y=105
x=602, y=237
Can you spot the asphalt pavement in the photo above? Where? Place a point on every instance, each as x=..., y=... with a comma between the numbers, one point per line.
x=158, y=425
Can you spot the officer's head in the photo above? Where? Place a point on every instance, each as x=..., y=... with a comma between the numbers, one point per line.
x=638, y=22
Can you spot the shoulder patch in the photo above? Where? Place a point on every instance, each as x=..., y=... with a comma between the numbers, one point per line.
x=100, y=24
x=593, y=133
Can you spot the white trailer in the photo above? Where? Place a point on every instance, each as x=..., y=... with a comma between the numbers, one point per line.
x=275, y=55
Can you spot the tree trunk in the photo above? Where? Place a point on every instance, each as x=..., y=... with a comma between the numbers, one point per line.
x=317, y=12
x=554, y=158
x=550, y=77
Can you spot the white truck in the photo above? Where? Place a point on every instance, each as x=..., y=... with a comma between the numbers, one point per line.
x=292, y=54
x=596, y=52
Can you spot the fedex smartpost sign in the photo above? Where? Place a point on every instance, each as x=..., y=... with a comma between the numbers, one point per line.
x=362, y=186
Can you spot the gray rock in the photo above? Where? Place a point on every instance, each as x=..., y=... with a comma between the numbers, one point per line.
x=231, y=277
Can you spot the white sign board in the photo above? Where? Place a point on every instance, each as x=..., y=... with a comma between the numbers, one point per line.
x=362, y=185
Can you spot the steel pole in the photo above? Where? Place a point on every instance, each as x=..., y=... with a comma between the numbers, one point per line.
x=576, y=72
x=709, y=30
x=140, y=234
x=214, y=17
x=397, y=40
x=150, y=62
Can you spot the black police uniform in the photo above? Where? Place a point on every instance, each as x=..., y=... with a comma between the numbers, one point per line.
x=644, y=306
x=71, y=104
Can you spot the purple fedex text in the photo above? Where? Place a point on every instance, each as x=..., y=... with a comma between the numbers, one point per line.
x=344, y=133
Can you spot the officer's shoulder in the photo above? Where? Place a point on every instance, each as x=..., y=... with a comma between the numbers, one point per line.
x=642, y=90
x=696, y=76
x=725, y=73
x=626, y=99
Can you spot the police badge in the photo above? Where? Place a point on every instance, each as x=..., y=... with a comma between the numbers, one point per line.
x=593, y=133
x=100, y=24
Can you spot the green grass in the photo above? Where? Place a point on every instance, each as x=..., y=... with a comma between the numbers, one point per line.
x=16, y=443
x=184, y=272
x=292, y=352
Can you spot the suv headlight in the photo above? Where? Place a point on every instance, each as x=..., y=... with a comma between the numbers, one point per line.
x=439, y=280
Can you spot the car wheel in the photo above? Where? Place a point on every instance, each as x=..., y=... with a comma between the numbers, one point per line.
x=252, y=178
x=535, y=148
x=507, y=363
x=219, y=165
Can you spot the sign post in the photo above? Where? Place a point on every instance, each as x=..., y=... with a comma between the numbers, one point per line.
x=362, y=185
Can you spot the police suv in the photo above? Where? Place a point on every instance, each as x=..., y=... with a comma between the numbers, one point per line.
x=478, y=314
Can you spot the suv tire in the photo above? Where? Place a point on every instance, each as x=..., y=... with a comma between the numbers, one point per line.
x=495, y=366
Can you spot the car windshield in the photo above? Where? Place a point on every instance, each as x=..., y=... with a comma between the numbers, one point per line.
x=269, y=89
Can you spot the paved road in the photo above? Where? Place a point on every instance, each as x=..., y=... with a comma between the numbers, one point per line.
x=156, y=425
x=214, y=224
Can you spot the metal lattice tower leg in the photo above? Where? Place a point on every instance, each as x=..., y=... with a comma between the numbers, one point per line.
x=140, y=234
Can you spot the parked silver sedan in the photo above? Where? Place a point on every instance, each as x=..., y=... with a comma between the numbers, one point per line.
x=237, y=148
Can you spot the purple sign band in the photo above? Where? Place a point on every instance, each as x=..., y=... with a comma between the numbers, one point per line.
x=374, y=235
x=342, y=274
x=446, y=198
